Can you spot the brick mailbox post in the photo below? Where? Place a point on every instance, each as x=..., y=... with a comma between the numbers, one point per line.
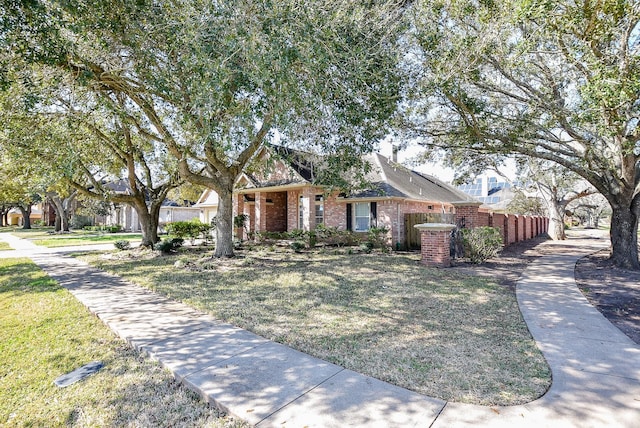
x=435, y=239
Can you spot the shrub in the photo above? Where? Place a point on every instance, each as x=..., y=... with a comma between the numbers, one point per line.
x=189, y=229
x=481, y=243
x=366, y=247
x=167, y=246
x=334, y=236
x=297, y=246
x=377, y=237
x=122, y=244
x=81, y=221
x=313, y=239
x=296, y=234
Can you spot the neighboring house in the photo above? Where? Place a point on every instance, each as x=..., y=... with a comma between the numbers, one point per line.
x=171, y=211
x=14, y=216
x=126, y=217
x=207, y=206
x=282, y=196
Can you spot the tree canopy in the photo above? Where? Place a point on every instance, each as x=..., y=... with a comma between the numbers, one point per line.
x=555, y=80
x=213, y=81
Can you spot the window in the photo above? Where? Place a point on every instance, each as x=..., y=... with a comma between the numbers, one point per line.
x=319, y=209
x=362, y=216
x=301, y=211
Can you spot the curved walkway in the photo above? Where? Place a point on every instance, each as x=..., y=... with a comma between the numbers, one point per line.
x=596, y=368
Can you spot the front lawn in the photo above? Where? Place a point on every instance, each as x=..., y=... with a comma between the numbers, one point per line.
x=45, y=332
x=446, y=335
x=4, y=246
x=45, y=238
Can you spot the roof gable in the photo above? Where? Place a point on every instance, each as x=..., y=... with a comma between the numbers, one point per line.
x=390, y=179
x=276, y=166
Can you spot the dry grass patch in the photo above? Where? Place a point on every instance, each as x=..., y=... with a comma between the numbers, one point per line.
x=45, y=332
x=447, y=335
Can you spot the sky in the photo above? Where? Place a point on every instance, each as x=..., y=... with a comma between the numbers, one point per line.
x=437, y=170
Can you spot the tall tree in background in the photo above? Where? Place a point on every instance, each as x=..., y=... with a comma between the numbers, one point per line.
x=558, y=188
x=214, y=81
x=591, y=209
x=22, y=185
x=555, y=80
x=88, y=141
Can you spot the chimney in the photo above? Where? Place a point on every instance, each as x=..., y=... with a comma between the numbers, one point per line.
x=394, y=156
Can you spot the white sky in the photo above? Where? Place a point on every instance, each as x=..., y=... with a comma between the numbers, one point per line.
x=437, y=170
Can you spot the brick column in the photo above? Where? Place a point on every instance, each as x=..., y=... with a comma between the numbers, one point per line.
x=435, y=241
x=467, y=214
x=292, y=209
x=238, y=208
x=261, y=212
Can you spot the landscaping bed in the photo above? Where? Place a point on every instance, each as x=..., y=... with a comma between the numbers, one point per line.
x=613, y=291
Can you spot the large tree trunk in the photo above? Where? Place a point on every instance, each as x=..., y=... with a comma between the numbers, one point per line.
x=149, y=229
x=62, y=213
x=224, y=225
x=148, y=219
x=556, y=221
x=624, y=236
x=4, y=212
x=555, y=208
x=26, y=217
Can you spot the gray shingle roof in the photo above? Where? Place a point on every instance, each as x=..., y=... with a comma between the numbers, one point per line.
x=390, y=179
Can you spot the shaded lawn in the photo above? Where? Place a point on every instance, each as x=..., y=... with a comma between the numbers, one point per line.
x=45, y=332
x=43, y=238
x=455, y=337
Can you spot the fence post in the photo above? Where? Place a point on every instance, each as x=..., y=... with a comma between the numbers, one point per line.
x=467, y=213
x=435, y=240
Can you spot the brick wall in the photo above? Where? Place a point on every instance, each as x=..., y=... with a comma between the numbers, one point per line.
x=276, y=212
x=520, y=231
x=500, y=221
x=512, y=231
x=335, y=213
x=526, y=227
x=484, y=218
x=468, y=215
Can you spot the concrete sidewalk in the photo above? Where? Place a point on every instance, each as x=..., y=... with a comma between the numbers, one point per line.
x=596, y=368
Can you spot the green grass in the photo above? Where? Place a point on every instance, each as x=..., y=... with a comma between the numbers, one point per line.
x=4, y=246
x=44, y=238
x=45, y=332
x=455, y=337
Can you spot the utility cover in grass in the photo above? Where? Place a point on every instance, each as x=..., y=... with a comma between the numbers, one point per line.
x=78, y=374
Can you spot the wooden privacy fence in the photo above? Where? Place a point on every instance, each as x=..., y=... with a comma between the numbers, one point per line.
x=412, y=235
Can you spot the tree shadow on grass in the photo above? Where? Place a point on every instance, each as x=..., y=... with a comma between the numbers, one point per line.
x=23, y=276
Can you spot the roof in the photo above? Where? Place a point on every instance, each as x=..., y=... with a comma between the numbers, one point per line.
x=391, y=179
x=209, y=198
x=300, y=166
x=118, y=186
x=388, y=180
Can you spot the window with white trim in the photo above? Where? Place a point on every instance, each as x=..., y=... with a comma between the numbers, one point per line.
x=319, y=209
x=361, y=217
x=301, y=211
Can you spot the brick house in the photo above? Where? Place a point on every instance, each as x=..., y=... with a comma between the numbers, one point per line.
x=279, y=194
